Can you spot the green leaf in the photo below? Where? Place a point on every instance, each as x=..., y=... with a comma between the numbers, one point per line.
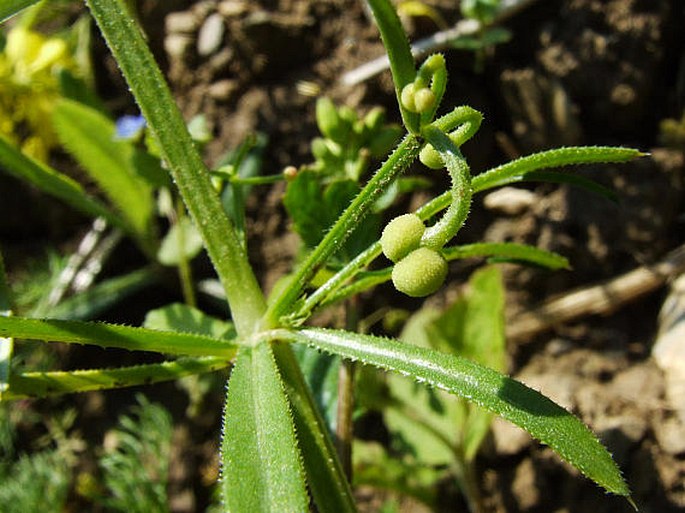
x=47, y=384
x=321, y=372
x=516, y=170
x=145, y=79
x=182, y=242
x=314, y=207
x=248, y=159
x=374, y=467
x=473, y=327
x=261, y=463
x=112, y=335
x=90, y=137
x=508, y=251
x=9, y=8
x=510, y=399
x=571, y=179
x=305, y=206
x=401, y=60
x=431, y=421
x=186, y=319
x=327, y=482
x=52, y=182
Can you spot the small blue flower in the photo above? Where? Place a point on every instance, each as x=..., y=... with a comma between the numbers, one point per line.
x=130, y=128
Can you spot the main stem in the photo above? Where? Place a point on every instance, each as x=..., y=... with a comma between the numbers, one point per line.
x=147, y=83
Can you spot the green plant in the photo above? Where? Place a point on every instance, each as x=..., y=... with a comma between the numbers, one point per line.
x=136, y=466
x=275, y=445
x=436, y=435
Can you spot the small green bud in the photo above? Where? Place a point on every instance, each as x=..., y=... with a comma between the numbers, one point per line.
x=420, y=273
x=407, y=97
x=327, y=118
x=401, y=236
x=430, y=157
x=424, y=99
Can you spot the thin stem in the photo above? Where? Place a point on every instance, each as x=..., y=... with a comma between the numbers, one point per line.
x=185, y=273
x=344, y=426
x=451, y=222
x=248, y=180
x=321, y=294
x=399, y=160
x=466, y=479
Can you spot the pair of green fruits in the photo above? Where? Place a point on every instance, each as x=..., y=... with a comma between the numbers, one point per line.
x=419, y=270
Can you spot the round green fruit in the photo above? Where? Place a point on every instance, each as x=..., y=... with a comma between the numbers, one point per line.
x=420, y=273
x=430, y=157
x=401, y=236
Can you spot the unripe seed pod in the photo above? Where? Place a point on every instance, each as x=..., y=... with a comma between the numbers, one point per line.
x=407, y=97
x=420, y=273
x=430, y=157
x=424, y=99
x=401, y=236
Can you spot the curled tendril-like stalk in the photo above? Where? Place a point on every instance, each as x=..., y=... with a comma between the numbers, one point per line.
x=420, y=269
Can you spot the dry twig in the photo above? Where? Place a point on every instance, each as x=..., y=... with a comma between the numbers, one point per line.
x=603, y=299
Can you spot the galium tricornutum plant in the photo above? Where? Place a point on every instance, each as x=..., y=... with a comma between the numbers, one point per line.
x=276, y=451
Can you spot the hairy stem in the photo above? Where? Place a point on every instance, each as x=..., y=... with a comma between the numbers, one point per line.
x=449, y=224
x=399, y=160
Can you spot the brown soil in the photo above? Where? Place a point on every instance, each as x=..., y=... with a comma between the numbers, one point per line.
x=574, y=72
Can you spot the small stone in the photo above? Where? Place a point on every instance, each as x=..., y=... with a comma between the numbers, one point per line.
x=182, y=22
x=178, y=46
x=211, y=35
x=669, y=348
x=508, y=439
x=525, y=488
x=510, y=200
x=223, y=89
x=670, y=434
x=558, y=387
x=229, y=8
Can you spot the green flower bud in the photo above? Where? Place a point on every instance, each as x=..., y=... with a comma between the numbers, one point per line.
x=407, y=97
x=424, y=99
x=420, y=273
x=327, y=118
x=430, y=157
x=401, y=236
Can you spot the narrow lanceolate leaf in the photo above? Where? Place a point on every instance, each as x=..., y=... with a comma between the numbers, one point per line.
x=45, y=384
x=147, y=83
x=512, y=171
x=510, y=399
x=327, y=483
x=112, y=335
x=52, y=182
x=261, y=463
x=90, y=138
x=399, y=53
x=9, y=8
x=529, y=168
x=509, y=251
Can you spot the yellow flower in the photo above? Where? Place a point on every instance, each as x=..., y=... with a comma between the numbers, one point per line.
x=29, y=67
